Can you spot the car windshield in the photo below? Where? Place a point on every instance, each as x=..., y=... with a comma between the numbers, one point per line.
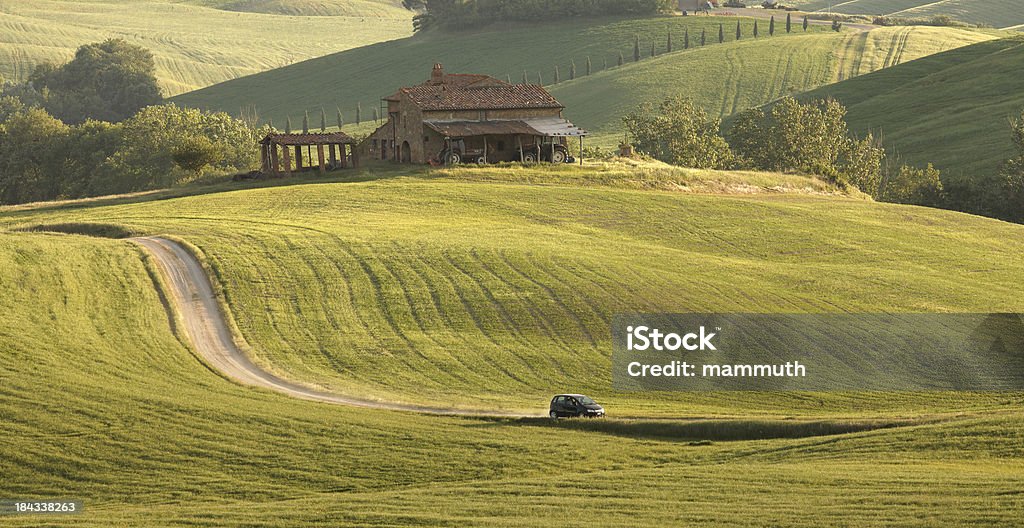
x=585, y=400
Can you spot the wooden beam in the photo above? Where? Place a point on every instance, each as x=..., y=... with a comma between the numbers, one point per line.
x=287, y=160
x=274, y=163
x=519, y=143
x=298, y=158
x=334, y=157
x=320, y=158
x=485, y=148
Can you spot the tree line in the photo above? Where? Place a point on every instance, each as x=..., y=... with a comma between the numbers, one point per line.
x=455, y=14
x=95, y=126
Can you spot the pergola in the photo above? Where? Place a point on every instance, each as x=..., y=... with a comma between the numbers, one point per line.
x=275, y=163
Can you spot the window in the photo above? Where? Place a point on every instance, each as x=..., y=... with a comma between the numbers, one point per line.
x=373, y=144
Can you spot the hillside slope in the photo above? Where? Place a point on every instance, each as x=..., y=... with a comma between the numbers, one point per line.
x=950, y=109
x=727, y=79
x=461, y=287
x=194, y=45
x=995, y=13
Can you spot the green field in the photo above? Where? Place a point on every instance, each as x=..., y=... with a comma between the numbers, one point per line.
x=995, y=13
x=198, y=43
x=489, y=288
x=727, y=79
x=444, y=290
x=951, y=109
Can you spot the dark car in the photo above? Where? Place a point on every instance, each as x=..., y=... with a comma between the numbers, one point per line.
x=574, y=405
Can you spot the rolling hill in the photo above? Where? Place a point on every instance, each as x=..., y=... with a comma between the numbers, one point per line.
x=950, y=109
x=727, y=79
x=995, y=13
x=756, y=70
x=195, y=44
x=492, y=285
x=435, y=288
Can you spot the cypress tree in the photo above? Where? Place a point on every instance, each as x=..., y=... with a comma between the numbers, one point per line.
x=508, y=78
x=288, y=125
x=376, y=115
x=590, y=66
x=341, y=119
x=305, y=123
x=323, y=120
x=653, y=52
x=686, y=39
x=526, y=78
x=806, y=23
x=540, y=78
x=789, y=22
x=755, y=29
x=606, y=62
x=669, y=46
x=739, y=34
x=359, y=113
x=771, y=27
x=721, y=33
x=622, y=60
x=572, y=70
x=270, y=123
x=703, y=37
x=556, y=74
x=636, y=49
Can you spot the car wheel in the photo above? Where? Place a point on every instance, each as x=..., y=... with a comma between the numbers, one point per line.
x=529, y=158
x=553, y=415
x=481, y=161
x=454, y=158
x=558, y=157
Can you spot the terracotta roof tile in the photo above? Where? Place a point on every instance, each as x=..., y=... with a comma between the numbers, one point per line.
x=502, y=97
x=309, y=139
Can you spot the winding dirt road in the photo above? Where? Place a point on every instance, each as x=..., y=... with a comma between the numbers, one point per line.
x=192, y=298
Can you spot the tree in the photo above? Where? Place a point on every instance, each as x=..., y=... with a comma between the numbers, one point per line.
x=703, y=37
x=376, y=115
x=622, y=59
x=508, y=78
x=789, y=22
x=30, y=156
x=806, y=23
x=540, y=78
x=556, y=74
x=590, y=66
x=288, y=125
x=861, y=165
x=771, y=27
x=686, y=39
x=572, y=70
x=914, y=186
x=195, y=153
x=323, y=120
x=739, y=33
x=721, y=33
x=1011, y=177
x=340, y=118
x=653, y=52
x=678, y=132
x=755, y=29
x=636, y=49
x=668, y=46
x=359, y=113
x=305, y=122
x=526, y=78
x=108, y=81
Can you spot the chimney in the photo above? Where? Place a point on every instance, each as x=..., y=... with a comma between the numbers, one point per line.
x=437, y=76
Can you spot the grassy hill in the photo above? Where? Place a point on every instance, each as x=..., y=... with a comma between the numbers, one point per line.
x=756, y=71
x=727, y=79
x=950, y=109
x=199, y=43
x=995, y=13
x=435, y=287
x=496, y=284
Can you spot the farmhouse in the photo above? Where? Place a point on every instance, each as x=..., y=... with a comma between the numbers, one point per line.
x=454, y=118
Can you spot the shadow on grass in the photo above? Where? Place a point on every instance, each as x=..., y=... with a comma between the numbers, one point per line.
x=699, y=432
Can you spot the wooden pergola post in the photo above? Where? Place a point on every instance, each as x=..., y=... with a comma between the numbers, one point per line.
x=581, y=151
x=287, y=159
x=334, y=157
x=538, y=141
x=485, y=148
x=298, y=158
x=274, y=163
x=320, y=158
x=519, y=144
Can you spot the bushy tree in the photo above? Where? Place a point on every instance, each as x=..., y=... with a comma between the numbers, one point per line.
x=108, y=81
x=678, y=132
x=910, y=185
x=861, y=164
x=195, y=153
x=1011, y=177
x=32, y=143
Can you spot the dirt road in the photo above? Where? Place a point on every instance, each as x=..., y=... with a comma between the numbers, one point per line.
x=192, y=298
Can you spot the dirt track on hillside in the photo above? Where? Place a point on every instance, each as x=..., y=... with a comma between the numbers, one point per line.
x=204, y=325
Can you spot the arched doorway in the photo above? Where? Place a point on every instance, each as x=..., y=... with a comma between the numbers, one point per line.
x=406, y=154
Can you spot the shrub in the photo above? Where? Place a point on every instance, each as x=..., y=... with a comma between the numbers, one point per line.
x=913, y=186
x=680, y=133
x=195, y=153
